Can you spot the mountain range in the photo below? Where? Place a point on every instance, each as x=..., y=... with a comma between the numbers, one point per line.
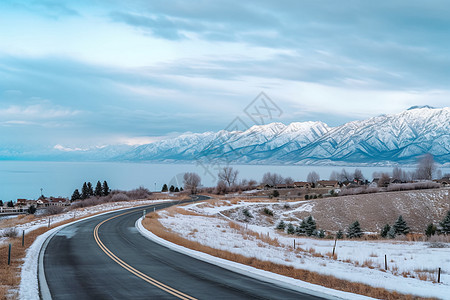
x=385, y=139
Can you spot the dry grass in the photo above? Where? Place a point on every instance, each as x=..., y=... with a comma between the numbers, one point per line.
x=152, y=223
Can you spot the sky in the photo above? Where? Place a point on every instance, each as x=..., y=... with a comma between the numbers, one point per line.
x=84, y=74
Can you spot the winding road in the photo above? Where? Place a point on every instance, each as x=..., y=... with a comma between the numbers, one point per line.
x=105, y=257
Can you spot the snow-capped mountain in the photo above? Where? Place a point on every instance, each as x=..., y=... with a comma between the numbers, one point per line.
x=383, y=139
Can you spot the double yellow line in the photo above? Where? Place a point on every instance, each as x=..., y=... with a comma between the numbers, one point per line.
x=129, y=268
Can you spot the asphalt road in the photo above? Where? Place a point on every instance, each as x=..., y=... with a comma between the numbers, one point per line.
x=116, y=262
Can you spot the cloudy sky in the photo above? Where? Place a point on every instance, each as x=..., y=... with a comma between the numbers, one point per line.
x=80, y=74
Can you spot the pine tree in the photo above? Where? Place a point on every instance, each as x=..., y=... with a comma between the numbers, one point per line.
x=431, y=230
x=385, y=230
x=1, y=202
x=354, y=230
x=31, y=210
x=177, y=190
x=76, y=195
x=290, y=229
x=321, y=234
x=164, y=188
x=310, y=226
x=400, y=226
x=10, y=204
x=105, y=188
x=281, y=225
x=445, y=224
x=181, y=189
x=391, y=233
x=84, y=191
x=340, y=235
x=171, y=189
x=90, y=189
x=98, y=189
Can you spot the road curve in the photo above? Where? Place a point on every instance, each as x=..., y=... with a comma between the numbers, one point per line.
x=105, y=257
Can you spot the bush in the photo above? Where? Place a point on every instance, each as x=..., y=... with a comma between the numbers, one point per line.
x=340, y=235
x=268, y=211
x=53, y=210
x=120, y=197
x=276, y=193
x=10, y=232
x=384, y=232
x=306, y=197
x=281, y=225
x=247, y=213
x=354, y=230
x=290, y=229
x=31, y=210
x=431, y=230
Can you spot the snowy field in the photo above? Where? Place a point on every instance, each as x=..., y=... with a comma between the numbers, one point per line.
x=358, y=261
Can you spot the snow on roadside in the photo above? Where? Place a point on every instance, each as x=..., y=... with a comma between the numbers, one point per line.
x=28, y=288
x=354, y=257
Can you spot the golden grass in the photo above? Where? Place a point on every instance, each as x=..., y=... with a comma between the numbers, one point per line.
x=152, y=223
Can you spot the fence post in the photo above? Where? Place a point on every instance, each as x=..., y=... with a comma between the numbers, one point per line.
x=48, y=223
x=294, y=244
x=439, y=275
x=9, y=255
x=385, y=262
x=23, y=237
x=334, y=247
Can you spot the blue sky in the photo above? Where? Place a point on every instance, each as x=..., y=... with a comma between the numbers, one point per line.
x=81, y=74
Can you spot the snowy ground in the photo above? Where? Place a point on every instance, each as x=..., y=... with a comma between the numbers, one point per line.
x=358, y=261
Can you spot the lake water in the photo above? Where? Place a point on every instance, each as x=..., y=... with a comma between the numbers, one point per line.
x=25, y=179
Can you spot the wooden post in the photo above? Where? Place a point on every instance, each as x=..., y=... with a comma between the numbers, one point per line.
x=439, y=275
x=9, y=255
x=294, y=244
x=48, y=223
x=23, y=237
x=144, y=213
x=385, y=262
x=334, y=247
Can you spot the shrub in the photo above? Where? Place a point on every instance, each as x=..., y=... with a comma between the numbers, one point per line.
x=276, y=193
x=290, y=229
x=431, y=230
x=306, y=197
x=31, y=209
x=281, y=225
x=10, y=232
x=268, y=211
x=53, y=210
x=340, y=235
x=247, y=213
x=354, y=230
x=120, y=197
x=384, y=232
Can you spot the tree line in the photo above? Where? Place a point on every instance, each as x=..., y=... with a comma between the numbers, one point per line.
x=88, y=191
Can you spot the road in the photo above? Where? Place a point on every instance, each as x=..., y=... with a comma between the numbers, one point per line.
x=106, y=258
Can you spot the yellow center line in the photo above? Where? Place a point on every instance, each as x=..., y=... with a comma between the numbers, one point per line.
x=129, y=268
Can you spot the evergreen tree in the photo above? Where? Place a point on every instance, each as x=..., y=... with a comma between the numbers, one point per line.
x=98, y=189
x=171, y=189
x=321, y=234
x=1, y=202
x=445, y=224
x=164, y=188
x=177, y=190
x=90, y=189
x=281, y=225
x=10, y=204
x=76, y=195
x=431, y=230
x=276, y=193
x=400, y=226
x=181, y=189
x=340, y=235
x=354, y=230
x=84, y=191
x=290, y=229
x=384, y=232
x=391, y=233
x=105, y=188
x=31, y=210
x=310, y=226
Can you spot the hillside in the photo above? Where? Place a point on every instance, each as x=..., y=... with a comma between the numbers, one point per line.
x=373, y=211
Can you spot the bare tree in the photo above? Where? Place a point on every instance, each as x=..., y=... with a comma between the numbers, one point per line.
x=191, y=182
x=334, y=175
x=426, y=167
x=272, y=179
x=397, y=173
x=358, y=175
x=384, y=180
x=228, y=175
x=313, y=177
x=288, y=180
x=345, y=176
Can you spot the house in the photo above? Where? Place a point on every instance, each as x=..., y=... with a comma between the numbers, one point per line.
x=328, y=183
x=445, y=181
x=302, y=184
x=59, y=201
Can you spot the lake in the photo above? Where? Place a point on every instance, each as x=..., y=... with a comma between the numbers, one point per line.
x=20, y=179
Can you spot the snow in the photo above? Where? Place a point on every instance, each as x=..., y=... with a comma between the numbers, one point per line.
x=262, y=275
x=354, y=257
x=28, y=288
